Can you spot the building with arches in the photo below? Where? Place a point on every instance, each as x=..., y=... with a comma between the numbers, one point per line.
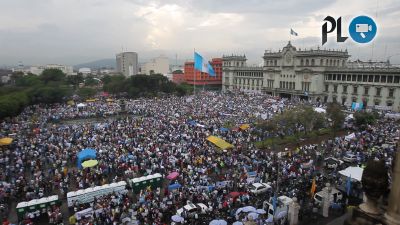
x=316, y=75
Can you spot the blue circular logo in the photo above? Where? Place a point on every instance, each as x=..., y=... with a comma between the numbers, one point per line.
x=362, y=29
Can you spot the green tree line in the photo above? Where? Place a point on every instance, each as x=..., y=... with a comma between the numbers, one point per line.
x=53, y=86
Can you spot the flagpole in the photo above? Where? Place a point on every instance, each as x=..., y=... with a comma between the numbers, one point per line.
x=194, y=73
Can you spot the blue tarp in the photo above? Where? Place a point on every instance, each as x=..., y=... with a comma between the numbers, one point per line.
x=85, y=154
x=223, y=129
x=174, y=186
x=192, y=122
x=252, y=174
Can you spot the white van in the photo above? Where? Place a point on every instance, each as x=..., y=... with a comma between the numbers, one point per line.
x=336, y=195
x=282, y=207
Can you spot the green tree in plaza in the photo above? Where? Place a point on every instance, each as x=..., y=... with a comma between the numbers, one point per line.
x=29, y=80
x=75, y=80
x=86, y=92
x=54, y=76
x=309, y=118
x=335, y=113
x=363, y=118
x=90, y=81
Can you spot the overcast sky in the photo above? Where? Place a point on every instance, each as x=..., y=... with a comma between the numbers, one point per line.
x=77, y=31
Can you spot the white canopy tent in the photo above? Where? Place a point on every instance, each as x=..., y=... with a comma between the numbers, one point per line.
x=80, y=105
x=353, y=171
x=319, y=110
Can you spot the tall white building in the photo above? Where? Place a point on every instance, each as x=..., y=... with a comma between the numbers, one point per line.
x=127, y=63
x=156, y=65
x=317, y=75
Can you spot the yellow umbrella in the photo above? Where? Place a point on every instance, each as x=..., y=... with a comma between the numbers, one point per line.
x=6, y=141
x=90, y=163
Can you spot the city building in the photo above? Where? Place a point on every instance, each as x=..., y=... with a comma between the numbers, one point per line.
x=316, y=75
x=85, y=71
x=37, y=70
x=127, y=63
x=203, y=78
x=157, y=65
x=178, y=77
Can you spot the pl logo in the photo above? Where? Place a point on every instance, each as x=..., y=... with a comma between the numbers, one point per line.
x=362, y=29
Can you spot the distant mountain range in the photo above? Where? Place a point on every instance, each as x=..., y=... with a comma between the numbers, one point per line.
x=102, y=63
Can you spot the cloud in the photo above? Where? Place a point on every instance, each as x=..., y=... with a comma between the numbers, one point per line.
x=75, y=31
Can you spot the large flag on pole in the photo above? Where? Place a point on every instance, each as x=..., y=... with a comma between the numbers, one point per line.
x=293, y=33
x=202, y=65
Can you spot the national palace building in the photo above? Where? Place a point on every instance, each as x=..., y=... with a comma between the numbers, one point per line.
x=317, y=75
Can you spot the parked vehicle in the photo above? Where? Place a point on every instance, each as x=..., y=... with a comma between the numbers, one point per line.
x=334, y=197
x=282, y=207
x=350, y=158
x=259, y=188
x=199, y=208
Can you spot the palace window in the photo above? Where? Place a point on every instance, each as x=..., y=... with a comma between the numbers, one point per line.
x=345, y=89
x=383, y=79
x=396, y=79
x=355, y=90
x=334, y=88
x=378, y=91
x=370, y=78
x=366, y=89
x=326, y=88
x=376, y=79
x=390, y=79
x=391, y=92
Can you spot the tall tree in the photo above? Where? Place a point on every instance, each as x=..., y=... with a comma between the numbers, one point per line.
x=52, y=75
x=335, y=113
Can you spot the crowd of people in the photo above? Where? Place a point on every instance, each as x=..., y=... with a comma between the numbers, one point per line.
x=164, y=135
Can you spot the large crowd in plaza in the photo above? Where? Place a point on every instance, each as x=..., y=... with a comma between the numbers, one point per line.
x=164, y=135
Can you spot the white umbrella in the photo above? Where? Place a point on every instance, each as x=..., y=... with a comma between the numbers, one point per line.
x=237, y=223
x=80, y=105
x=261, y=211
x=218, y=222
x=177, y=218
x=249, y=209
x=281, y=215
x=253, y=215
x=239, y=210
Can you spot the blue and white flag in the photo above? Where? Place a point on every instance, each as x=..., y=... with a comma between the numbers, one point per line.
x=203, y=65
x=357, y=106
x=293, y=33
x=274, y=202
x=348, y=185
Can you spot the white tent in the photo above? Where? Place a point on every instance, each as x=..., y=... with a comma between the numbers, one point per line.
x=319, y=110
x=349, y=117
x=353, y=171
x=350, y=137
x=80, y=105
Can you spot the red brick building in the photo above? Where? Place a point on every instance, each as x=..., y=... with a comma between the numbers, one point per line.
x=204, y=78
x=178, y=77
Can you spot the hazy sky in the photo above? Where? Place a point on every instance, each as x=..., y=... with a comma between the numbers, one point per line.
x=78, y=31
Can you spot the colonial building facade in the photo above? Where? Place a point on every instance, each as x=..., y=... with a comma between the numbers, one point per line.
x=317, y=75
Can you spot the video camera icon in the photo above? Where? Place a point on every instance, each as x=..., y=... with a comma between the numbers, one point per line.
x=363, y=28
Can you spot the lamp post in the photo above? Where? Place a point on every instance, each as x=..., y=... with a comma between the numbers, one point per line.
x=326, y=200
